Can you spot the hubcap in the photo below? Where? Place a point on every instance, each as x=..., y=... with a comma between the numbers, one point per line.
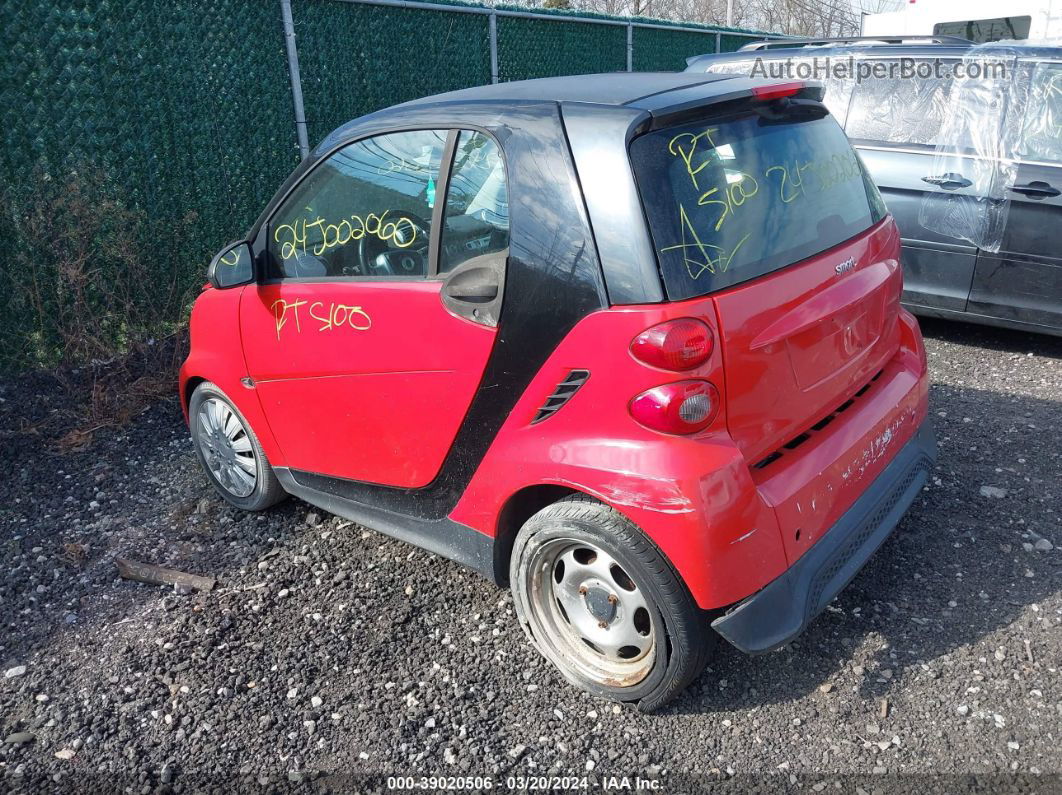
x=589, y=614
x=226, y=448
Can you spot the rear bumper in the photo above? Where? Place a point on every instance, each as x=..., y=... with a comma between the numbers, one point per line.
x=782, y=609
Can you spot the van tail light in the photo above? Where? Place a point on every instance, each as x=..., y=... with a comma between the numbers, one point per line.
x=681, y=407
x=778, y=90
x=674, y=345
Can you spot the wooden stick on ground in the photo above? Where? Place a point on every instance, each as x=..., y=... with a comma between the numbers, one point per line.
x=157, y=575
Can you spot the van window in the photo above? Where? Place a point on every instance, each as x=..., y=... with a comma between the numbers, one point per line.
x=734, y=198
x=899, y=110
x=1041, y=137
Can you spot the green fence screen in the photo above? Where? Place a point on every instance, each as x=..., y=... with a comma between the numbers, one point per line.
x=141, y=135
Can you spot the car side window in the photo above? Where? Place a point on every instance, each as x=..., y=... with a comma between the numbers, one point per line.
x=1041, y=137
x=477, y=203
x=897, y=110
x=364, y=212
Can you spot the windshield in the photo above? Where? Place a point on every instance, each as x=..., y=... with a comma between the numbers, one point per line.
x=734, y=198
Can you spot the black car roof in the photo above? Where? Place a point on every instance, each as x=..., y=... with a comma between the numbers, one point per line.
x=615, y=88
x=656, y=93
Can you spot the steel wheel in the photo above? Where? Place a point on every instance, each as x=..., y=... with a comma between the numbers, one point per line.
x=591, y=613
x=226, y=448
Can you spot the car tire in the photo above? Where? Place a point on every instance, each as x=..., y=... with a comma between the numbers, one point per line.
x=602, y=603
x=229, y=451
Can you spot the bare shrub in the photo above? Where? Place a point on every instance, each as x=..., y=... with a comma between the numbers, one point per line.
x=87, y=277
x=91, y=293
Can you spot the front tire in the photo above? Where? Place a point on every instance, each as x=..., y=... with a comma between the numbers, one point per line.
x=602, y=604
x=229, y=451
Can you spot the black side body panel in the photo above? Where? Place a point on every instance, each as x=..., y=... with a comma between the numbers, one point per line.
x=445, y=537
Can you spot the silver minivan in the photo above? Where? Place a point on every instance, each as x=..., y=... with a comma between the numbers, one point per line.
x=894, y=104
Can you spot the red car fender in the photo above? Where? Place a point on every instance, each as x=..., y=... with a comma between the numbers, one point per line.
x=693, y=496
x=216, y=355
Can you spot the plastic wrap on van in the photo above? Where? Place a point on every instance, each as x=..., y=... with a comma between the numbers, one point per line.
x=984, y=136
x=1042, y=130
x=908, y=110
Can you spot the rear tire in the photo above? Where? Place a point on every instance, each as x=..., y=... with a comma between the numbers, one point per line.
x=230, y=453
x=601, y=603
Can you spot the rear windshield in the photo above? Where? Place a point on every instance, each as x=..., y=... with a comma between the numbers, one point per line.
x=734, y=198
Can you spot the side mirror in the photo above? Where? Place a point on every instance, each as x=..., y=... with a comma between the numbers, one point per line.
x=232, y=266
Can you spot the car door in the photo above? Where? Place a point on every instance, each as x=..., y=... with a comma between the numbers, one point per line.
x=364, y=356
x=894, y=124
x=1022, y=282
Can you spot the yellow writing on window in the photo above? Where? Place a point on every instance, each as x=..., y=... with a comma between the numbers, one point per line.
x=401, y=165
x=723, y=190
x=836, y=169
x=790, y=180
x=740, y=188
x=686, y=146
x=700, y=257
x=294, y=237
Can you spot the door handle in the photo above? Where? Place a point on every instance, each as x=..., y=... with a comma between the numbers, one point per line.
x=476, y=293
x=949, y=181
x=1037, y=189
x=474, y=290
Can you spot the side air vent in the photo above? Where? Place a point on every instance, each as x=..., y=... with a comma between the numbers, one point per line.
x=562, y=394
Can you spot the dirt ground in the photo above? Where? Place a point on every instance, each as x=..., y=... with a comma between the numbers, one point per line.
x=330, y=654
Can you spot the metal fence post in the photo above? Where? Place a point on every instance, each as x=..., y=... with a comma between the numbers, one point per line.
x=493, y=29
x=718, y=42
x=296, y=79
x=630, y=47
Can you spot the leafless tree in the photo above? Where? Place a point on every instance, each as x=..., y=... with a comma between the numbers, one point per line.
x=813, y=18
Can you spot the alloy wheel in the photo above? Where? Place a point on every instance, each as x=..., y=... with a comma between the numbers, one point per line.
x=226, y=448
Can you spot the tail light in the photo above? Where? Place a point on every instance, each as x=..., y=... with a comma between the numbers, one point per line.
x=680, y=407
x=674, y=345
x=778, y=90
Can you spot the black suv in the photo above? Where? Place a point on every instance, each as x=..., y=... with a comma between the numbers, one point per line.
x=895, y=123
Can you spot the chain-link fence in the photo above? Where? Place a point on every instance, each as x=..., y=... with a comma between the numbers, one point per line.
x=179, y=115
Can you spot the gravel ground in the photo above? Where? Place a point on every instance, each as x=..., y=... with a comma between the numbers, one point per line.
x=329, y=652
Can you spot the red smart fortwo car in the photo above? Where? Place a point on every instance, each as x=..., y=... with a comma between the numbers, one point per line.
x=629, y=344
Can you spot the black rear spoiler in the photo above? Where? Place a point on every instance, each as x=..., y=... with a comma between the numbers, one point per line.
x=670, y=107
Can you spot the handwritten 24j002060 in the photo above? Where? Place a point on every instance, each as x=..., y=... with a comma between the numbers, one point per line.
x=401, y=232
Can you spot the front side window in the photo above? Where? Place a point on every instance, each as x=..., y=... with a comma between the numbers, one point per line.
x=1041, y=137
x=477, y=203
x=365, y=211
x=732, y=199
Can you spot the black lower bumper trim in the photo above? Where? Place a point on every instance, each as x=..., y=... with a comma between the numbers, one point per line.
x=780, y=611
